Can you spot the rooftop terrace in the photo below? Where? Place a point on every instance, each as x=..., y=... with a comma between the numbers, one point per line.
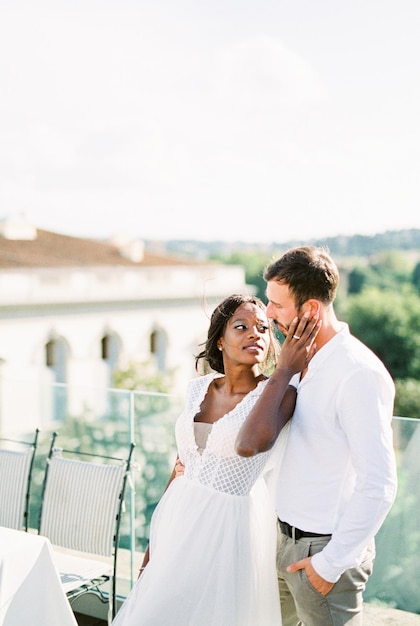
x=391, y=597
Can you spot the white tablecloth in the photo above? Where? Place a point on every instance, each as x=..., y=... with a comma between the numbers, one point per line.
x=30, y=589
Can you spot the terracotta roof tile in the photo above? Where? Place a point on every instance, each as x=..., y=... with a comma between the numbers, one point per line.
x=55, y=250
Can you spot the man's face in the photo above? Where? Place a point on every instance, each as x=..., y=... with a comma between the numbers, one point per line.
x=281, y=307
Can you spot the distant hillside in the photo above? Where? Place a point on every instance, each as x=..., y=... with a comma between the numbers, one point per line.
x=340, y=246
x=364, y=245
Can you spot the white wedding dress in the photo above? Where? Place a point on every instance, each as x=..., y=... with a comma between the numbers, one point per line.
x=213, y=533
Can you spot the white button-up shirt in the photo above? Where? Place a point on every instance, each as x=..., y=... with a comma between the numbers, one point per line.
x=338, y=475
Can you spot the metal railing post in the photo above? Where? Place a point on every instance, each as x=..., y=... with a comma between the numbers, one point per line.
x=132, y=493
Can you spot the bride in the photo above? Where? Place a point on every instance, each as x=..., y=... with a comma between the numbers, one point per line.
x=211, y=555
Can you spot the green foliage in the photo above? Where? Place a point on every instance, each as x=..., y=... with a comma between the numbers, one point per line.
x=142, y=376
x=154, y=416
x=155, y=454
x=397, y=568
x=407, y=398
x=389, y=323
x=253, y=263
x=397, y=264
x=385, y=271
x=381, y=305
x=383, y=310
x=416, y=277
x=357, y=279
x=390, y=268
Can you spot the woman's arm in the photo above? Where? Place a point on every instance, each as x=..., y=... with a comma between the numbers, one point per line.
x=275, y=406
x=270, y=413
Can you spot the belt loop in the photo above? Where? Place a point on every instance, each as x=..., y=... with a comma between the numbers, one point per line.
x=293, y=534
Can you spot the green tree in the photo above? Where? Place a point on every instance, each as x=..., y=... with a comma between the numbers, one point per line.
x=357, y=279
x=386, y=271
x=154, y=417
x=407, y=398
x=142, y=376
x=415, y=279
x=253, y=264
x=390, y=269
x=389, y=323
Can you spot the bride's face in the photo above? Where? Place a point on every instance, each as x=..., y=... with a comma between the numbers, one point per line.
x=247, y=337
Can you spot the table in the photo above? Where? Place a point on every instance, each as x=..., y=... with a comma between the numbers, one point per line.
x=30, y=589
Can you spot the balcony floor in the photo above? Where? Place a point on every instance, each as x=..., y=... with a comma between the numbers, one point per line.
x=374, y=616
x=85, y=620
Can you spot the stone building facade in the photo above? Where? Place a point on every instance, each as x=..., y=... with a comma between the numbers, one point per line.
x=72, y=310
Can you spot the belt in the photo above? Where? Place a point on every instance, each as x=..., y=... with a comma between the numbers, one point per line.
x=296, y=533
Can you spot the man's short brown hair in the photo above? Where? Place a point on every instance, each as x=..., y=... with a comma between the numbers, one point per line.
x=308, y=271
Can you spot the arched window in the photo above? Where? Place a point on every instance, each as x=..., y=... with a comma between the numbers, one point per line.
x=49, y=353
x=56, y=358
x=158, y=348
x=110, y=353
x=105, y=347
x=56, y=355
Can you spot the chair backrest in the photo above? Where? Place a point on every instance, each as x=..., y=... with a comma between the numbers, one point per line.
x=16, y=462
x=82, y=501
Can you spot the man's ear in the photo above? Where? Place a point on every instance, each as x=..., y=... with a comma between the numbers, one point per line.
x=313, y=306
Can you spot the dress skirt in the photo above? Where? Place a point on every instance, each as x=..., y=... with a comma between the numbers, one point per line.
x=212, y=561
x=213, y=533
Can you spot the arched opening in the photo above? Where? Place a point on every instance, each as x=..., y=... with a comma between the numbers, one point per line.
x=56, y=359
x=110, y=353
x=158, y=349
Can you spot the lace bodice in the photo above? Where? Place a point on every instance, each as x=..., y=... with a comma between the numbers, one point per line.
x=218, y=466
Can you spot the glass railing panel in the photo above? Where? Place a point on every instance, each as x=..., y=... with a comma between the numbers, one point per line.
x=153, y=433
x=105, y=421
x=396, y=575
x=151, y=427
x=84, y=419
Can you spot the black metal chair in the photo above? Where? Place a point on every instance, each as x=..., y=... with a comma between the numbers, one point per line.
x=16, y=463
x=81, y=510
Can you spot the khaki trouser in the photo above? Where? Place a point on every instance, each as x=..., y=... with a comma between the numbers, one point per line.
x=302, y=605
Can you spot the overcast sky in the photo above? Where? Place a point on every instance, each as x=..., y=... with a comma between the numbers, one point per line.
x=255, y=120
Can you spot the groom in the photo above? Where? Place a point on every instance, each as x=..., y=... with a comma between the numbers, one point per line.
x=338, y=476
